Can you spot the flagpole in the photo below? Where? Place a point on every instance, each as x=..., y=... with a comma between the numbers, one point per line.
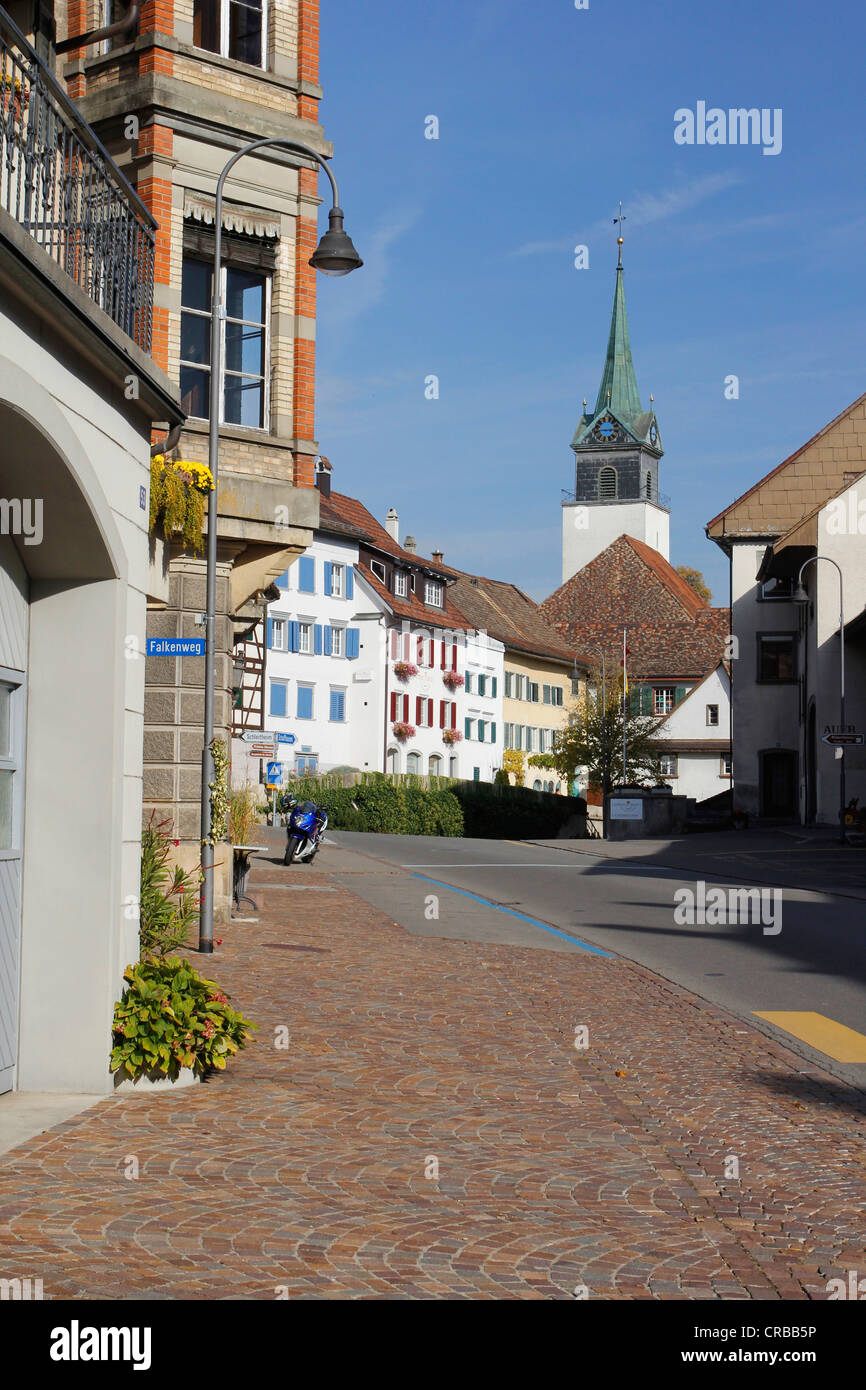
x=624, y=708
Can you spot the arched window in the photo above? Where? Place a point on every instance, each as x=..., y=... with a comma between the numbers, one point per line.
x=452, y=766
x=536, y=786
x=649, y=484
x=393, y=760
x=434, y=765
x=413, y=763
x=607, y=482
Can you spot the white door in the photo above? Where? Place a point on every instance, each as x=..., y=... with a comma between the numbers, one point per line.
x=12, y=714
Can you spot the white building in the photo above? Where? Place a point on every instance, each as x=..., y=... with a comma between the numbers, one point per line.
x=696, y=739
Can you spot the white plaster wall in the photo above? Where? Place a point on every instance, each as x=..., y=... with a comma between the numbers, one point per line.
x=589, y=528
x=689, y=719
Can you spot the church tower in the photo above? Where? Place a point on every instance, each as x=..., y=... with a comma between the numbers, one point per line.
x=617, y=448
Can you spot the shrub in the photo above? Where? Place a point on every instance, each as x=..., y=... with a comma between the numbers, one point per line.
x=379, y=805
x=243, y=814
x=171, y=1017
x=169, y=897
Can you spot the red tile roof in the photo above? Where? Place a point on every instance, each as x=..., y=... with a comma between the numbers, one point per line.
x=510, y=615
x=351, y=512
x=411, y=607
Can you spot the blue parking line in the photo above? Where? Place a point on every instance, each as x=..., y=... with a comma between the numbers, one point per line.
x=533, y=922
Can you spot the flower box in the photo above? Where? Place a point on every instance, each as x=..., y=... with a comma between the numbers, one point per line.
x=404, y=669
x=453, y=680
x=404, y=731
x=452, y=736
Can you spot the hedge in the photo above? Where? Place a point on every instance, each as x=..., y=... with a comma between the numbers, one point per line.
x=445, y=807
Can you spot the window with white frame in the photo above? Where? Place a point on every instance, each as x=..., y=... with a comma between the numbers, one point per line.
x=668, y=764
x=531, y=740
x=663, y=699
x=244, y=334
x=509, y=735
x=337, y=585
x=305, y=637
x=726, y=766
x=401, y=583
x=338, y=645
x=233, y=28
x=712, y=716
x=556, y=692
x=509, y=683
x=433, y=593
x=280, y=634
x=517, y=741
x=378, y=569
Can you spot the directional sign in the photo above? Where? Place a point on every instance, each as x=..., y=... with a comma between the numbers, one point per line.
x=275, y=774
x=285, y=738
x=255, y=736
x=842, y=738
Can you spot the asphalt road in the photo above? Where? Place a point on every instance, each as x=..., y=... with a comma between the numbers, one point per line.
x=552, y=898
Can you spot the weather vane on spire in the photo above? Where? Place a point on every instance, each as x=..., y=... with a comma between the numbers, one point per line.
x=619, y=220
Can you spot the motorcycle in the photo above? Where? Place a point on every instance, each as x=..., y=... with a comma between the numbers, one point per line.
x=306, y=824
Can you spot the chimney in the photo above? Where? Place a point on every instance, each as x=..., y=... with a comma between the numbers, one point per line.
x=392, y=525
x=323, y=475
x=409, y=544
x=438, y=556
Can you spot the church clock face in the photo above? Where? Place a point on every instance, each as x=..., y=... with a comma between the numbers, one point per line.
x=606, y=431
x=654, y=434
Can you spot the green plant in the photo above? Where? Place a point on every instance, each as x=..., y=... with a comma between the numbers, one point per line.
x=169, y=896
x=219, y=794
x=243, y=814
x=178, y=495
x=171, y=1017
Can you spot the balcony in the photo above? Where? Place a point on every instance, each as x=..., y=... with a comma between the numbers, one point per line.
x=63, y=188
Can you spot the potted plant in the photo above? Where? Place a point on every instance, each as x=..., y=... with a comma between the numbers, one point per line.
x=403, y=731
x=452, y=736
x=453, y=680
x=404, y=669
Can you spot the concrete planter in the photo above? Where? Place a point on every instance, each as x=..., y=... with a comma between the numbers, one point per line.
x=157, y=1082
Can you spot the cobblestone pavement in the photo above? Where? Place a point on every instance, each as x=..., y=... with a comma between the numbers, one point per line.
x=304, y=1172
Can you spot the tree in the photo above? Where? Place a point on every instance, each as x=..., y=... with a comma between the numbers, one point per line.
x=696, y=581
x=591, y=728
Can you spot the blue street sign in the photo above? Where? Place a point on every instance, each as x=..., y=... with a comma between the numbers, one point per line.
x=275, y=774
x=285, y=738
x=175, y=646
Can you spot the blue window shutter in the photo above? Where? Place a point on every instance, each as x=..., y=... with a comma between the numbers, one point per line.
x=305, y=702
x=270, y=632
x=467, y=728
x=317, y=639
x=327, y=636
x=353, y=635
x=468, y=684
x=335, y=705
x=350, y=581
x=307, y=574
x=482, y=725
x=327, y=576
x=493, y=688
x=278, y=701
x=493, y=729
x=294, y=636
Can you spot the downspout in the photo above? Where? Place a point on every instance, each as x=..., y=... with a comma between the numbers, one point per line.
x=109, y=31
x=165, y=446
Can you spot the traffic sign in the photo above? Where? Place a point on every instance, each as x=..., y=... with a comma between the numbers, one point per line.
x=842, y=738
x=285, y=738
x=275, y=774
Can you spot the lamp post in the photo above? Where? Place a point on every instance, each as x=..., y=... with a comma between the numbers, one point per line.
x=334, y=255
x=597, y=651
x=801, y=596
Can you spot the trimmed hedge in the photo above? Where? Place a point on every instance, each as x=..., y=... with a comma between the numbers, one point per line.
x=445, y=807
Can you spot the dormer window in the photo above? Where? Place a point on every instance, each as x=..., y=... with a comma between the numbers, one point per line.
x=378, y=569
x=433, y=593
x=607, y=483
x=401, y=583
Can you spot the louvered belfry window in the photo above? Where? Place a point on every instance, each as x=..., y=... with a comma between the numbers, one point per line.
x=607, y=481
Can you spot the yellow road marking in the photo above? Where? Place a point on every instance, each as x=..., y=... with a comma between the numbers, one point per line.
x=824, y=1034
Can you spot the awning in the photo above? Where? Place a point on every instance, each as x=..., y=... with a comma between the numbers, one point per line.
x=249, y=221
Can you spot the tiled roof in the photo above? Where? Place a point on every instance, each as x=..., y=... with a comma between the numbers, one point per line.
x=507, y=613
x=349, y=510
x=411, y=607
x=672, y=633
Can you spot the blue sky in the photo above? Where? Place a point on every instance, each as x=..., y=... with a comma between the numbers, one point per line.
x=735, y=262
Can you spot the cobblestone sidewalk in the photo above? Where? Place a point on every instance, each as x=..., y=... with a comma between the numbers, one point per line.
x=310, y=1171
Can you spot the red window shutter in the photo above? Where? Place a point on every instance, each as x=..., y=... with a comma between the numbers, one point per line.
x=418, y=709
x=406, y=649
x=429, y=714
x=406, y=709
x=454, y=657
x=444, y=649
x=442, y=708
x=420, y=656
x=432, y=661
x=393, y=706
x=454, y=714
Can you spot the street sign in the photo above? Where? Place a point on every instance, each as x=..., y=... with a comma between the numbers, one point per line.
x=254, y=736
x=275, y=775
x=842, y=738
x=626, y=808
x=285, y=738
x=175, y=646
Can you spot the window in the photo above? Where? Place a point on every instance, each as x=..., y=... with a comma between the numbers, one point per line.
x=337, y=713
x=434, y=765
x=518, y=737
x=452, y=766
x=533, y=691
x=392, y=760
x=307, y=574
x=777, y=589
x=305, y=702
x=279, y=699
x=668, y=765
x=469, y=728
x=531, y=743
x=712, y=716
x=509, y=735
x=777, y=657
x=663, y=699
x=378, y=569
x=413, y=764
x=279, y=634
x=607, y=483
x=432, y=593
x=726, y=766
x=536, y=786
x=509, y=682
x=543, y=735
x=401, y=586
x=337, y=641
x=648, y=486
x=545, y=695
x=245, y=295
x=306, y=762
x=232, y=28
x=557, y=693
x=337, y=581
x=305, y=633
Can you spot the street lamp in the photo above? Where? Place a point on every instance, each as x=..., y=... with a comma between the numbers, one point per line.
x=801, y=596
x=597, y=651
x=334, y=255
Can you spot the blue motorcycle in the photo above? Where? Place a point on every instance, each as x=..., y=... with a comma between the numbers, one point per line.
x=305, y=826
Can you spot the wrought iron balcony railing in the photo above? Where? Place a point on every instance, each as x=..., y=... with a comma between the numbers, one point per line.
x=59, y=182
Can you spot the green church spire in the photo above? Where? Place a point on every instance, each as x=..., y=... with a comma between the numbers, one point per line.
x=618, y=391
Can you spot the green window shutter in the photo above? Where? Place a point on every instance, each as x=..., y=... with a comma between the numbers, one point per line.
x=646, y=699
x=467, y=728
x=680, y=693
